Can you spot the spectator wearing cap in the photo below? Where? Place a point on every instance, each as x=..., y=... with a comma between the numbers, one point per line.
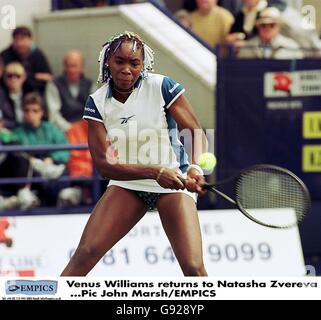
x=269, y=43
x=23, y=50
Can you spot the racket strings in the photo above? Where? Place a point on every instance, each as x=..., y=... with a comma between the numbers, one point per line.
x=269, y=188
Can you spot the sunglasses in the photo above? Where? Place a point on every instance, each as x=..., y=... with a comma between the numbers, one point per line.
x=13, y=75
x=267, y=25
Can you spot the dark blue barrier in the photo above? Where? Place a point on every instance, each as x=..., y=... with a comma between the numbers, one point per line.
x=263, y=116
x=95, y=180
x=203, y=203
x=43, y=147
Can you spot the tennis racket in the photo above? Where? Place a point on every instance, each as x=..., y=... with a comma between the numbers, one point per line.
x=261, y=189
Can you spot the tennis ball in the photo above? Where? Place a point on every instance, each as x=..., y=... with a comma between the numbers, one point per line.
x=207, y=161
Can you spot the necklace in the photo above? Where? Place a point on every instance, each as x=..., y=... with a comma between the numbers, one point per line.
x=124, y=92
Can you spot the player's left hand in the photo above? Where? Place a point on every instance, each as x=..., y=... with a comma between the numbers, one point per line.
x=194, y=182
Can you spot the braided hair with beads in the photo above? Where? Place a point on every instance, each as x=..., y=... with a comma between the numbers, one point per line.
x=114, y=43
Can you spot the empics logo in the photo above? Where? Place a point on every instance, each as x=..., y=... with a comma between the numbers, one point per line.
x=31, y=288
x=4, y=225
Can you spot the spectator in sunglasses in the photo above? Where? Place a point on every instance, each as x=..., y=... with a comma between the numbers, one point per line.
x=11, y=96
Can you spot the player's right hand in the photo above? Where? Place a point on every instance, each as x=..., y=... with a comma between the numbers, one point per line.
x=170, y=179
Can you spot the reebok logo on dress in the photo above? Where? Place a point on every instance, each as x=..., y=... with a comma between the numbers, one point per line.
x=125, y=120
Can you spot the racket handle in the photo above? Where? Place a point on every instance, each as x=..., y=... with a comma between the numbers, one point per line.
x=207, y=186
x=210, y=187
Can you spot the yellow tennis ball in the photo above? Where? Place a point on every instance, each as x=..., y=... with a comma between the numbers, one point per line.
x=207, y=161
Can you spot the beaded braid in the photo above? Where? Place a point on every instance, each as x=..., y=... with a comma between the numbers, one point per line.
x=111, y=46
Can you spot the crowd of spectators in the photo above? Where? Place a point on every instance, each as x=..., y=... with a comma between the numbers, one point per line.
x=229, y=23
x=38, y=107
x=239, y=24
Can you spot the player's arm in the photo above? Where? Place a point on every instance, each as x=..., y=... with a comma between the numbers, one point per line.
x=184, y=115
x=101, y=148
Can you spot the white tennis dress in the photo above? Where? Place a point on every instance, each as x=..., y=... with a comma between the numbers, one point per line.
x=141, y=129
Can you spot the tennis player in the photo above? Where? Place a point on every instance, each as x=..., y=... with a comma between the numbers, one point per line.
x=133, y=122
